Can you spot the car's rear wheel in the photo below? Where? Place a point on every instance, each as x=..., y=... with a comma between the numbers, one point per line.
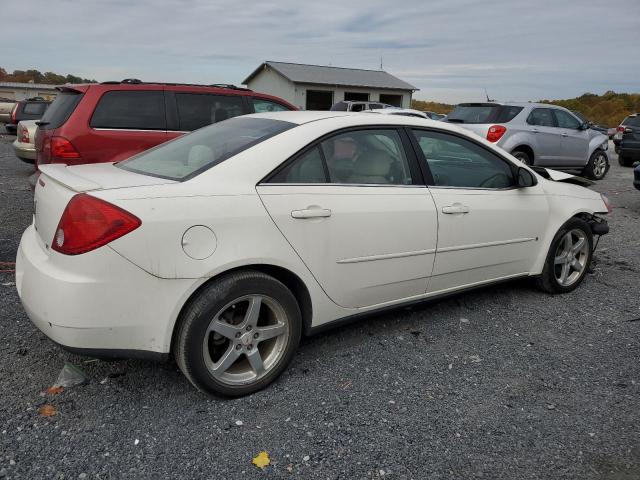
x=597, y=166
x=624, y=161
x=239, y=334
x=568, y=258
x=524, y=157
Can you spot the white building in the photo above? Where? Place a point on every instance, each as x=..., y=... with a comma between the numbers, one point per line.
x=22, y=91
x=315, y=87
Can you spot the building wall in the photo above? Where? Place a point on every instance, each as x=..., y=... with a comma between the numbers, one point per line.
x=24, y=93
x=272, y=83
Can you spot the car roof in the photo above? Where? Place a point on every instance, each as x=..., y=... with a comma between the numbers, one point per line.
x=392, y=110
x=512, y=104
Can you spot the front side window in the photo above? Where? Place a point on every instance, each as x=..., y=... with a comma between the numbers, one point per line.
x=361, y=157
x=190, y=155
x=260, y=105
x=197, y=110
x=134, y=110
x=456, y=162
x=542, y=117
x=566, y=120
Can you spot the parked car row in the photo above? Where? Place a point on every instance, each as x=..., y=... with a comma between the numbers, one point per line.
x=6, y=105
x=31, y=109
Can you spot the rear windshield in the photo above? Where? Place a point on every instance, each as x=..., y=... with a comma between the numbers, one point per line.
x=60, y=110
x=192, y=154
x=34, y=108
x=483, y=113
x=632, y=121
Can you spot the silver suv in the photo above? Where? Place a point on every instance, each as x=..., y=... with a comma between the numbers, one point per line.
x=538, y=134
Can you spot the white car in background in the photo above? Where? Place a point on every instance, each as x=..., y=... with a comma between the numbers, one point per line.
x=24, y=144
x=224, y=246
x=408, y=112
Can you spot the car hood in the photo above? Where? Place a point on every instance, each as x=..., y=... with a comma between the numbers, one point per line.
x=557, y=176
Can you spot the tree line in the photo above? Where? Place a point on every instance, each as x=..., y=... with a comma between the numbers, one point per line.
x=35, y=76
x=608, y=109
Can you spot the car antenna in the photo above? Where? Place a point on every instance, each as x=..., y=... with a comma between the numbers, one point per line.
x=487, y=95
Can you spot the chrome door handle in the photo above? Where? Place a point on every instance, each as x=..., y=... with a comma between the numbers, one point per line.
x=311, y=213
x=565, y=135
x=455, y=208
x=535, y=130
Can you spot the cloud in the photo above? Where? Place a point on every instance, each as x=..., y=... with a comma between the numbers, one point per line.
x=448, y=49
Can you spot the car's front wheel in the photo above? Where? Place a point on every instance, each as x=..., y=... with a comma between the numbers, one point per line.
x=239, y=334
x=568, y=258
x=597, y=166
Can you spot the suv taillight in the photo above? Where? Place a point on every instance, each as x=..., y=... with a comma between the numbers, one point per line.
x=496, y=132
x=14, y=112
x=88, y=223
x=62, y=149
x=24, y=134
x=620, y=128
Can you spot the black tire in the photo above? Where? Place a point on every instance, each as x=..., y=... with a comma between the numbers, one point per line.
x=196, y=317
x=547, y=281
x=624, y=161
x=616, y=148
x=27, y=160
x=597, y=166
x=524, y=157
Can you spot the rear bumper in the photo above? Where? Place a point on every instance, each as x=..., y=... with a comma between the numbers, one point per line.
x=632, y=153
x=24, y=150
x=97, y=303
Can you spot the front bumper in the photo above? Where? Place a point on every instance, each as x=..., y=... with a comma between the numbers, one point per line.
x=25, y=151
x=97, y=303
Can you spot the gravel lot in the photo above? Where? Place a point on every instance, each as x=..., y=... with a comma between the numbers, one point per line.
x=501, y=383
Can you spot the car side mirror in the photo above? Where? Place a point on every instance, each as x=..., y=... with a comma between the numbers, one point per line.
x=526, y=178
x=584, y=126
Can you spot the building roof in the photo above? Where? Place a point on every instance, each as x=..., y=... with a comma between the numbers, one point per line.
x=33, y=86
x=323, y=75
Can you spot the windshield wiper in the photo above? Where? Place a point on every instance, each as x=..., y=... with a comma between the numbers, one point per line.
x=455, y=120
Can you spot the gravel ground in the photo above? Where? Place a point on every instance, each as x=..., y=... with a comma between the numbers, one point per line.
x=500, y=383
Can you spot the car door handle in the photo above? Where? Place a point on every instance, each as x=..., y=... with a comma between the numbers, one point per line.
x=455, y=208
x=565, y=134
x=535, y=130
x=311, y=213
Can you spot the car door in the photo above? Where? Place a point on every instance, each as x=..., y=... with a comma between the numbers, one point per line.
x=353, y=208
x=545, y=136
x=488, y=229
x=574, y=141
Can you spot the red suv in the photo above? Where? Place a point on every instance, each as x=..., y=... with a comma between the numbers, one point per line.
x=111, y=121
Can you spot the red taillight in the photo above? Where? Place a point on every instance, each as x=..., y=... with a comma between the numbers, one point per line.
x=88, y=223
x=14, y=111
x=24, y=134
x=496, y=132
x=620, y=128
x=63, y=149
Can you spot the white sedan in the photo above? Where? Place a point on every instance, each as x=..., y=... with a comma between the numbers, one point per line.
x=226, y=245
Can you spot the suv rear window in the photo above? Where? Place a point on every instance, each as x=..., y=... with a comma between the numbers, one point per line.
x=135, y=110
x=192, y=154
x=34, y=108
x=60, y=110
x=483, y=113
x=197, y=110
x=632, y=121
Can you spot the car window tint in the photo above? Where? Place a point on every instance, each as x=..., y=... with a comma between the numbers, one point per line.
x=542, y=117
x=260, y=105
x=307, y=168
x=140, y=110
x=192, y=154
x=566, y=120
x=375, y=106
x=34, y=108
x=456, y=162
x=196, y=110
x=60, y=110
x=508, y=113
x=366, y=157
x=632, y=121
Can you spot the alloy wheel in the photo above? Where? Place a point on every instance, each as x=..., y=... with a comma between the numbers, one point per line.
x=571, y=257
x=599, y=165
x=245, y=339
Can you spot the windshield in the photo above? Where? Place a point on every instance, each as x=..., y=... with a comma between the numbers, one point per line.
x=196, y=152
x=60, y=110
x=483, y=113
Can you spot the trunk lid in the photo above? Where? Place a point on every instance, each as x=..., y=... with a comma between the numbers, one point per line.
x=58, y=183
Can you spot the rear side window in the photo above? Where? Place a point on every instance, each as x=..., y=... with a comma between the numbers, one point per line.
x=35, y=108
x=135, y=110
x=542, y=117
x=60, y=110
x=189, y=155
x=260, y=105
x=197, y=110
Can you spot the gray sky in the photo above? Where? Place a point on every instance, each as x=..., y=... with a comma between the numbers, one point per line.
x=451, y=50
